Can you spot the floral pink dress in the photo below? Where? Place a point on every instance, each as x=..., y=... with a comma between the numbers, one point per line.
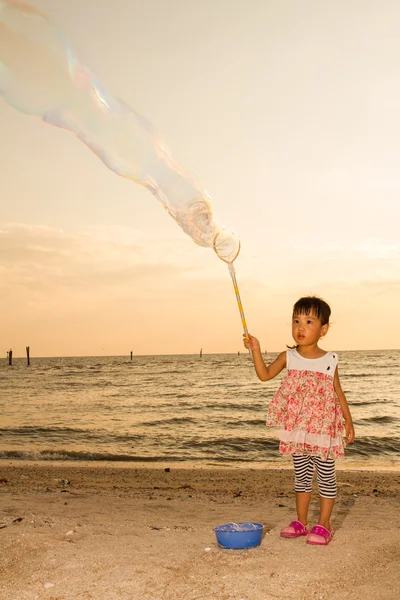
x=307, y=409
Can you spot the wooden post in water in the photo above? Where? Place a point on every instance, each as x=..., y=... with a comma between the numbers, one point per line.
x=28, y=360
x=10, y=357
x=131, y=355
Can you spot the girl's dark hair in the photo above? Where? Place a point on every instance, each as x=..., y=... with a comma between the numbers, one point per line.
x=311, y=305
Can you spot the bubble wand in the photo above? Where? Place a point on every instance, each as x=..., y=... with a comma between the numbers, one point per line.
x=235, y=286
x=227, y=247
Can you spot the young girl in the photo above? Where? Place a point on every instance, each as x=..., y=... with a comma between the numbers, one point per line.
x=309, y=407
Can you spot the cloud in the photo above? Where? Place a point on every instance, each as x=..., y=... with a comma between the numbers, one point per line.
x=42, y=259
x=340, y=263
x=69, y=292
x=97, y=290
x=50, y=269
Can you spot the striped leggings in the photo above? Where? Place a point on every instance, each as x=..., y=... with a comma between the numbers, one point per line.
x=304, y=473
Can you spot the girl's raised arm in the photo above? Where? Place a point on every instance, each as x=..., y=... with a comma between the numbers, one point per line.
x=263, y=372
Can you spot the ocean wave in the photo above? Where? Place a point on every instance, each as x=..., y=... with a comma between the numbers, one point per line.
x=370, y=402
x=31, y=429
x=167, y=422
x=43, y=455
x=255, y=406
x=29, y=434
x=374, y=446
x=176, y=395
x=239, y=443
x=244, y=423
x=345, y=376
x=382, y=420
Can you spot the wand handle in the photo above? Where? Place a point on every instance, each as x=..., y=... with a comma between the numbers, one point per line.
x=235, y=286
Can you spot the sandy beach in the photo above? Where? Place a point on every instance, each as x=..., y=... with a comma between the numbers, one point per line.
x=82, y=531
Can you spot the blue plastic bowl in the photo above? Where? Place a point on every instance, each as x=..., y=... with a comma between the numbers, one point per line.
x=239, y=535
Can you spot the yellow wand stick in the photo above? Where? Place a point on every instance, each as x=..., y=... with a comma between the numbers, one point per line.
x=235, y=286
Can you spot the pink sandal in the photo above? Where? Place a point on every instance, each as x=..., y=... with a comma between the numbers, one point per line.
x=319, y=536
x=294, y=530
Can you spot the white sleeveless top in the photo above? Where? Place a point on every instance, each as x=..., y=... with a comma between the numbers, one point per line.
x=325, y=364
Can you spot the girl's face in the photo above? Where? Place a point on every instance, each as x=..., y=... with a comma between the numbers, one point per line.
x=307, y=329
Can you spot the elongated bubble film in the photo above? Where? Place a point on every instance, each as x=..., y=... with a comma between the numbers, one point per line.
x=40, y=76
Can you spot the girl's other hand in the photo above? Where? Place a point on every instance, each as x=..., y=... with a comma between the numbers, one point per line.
x=250, y=342
x=349, y=427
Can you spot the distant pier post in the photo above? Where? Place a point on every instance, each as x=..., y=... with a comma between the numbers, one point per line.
x=131, y=355
x=9, y=354
x=28, y=359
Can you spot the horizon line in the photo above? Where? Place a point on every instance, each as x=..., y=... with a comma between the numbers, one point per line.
x=241, y=352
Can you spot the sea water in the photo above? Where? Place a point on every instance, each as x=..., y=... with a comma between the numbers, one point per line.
x=207, y=410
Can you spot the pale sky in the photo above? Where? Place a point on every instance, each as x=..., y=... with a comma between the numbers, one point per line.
x=288, y=113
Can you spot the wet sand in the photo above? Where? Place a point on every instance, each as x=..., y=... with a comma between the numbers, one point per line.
x=110, y=531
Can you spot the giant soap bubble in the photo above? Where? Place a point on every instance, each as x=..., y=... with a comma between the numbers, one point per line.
x=41, y=76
